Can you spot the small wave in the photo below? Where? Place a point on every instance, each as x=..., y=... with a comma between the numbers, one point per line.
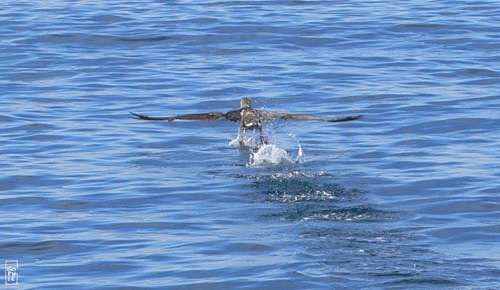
x=355, y=213
x=104, y=39
x=298, y=187
x=319, y=211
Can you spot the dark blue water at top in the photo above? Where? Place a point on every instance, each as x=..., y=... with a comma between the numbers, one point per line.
x=406, y=198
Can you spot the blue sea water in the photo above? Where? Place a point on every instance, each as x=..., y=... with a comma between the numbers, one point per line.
x=406, y=198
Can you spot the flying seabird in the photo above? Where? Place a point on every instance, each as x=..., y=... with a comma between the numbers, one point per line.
x=248, y=117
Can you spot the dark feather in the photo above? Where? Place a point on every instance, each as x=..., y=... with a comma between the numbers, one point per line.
x=265, y=115
x=232, y=115
x=144, y=117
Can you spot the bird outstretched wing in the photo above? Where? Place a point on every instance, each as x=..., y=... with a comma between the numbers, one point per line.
x=232, y=116
x=265, y=115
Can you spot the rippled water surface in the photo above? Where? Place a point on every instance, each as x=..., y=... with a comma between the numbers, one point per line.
x=406, y=198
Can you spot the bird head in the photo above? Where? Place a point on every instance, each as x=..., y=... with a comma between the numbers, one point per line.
x=245, y=103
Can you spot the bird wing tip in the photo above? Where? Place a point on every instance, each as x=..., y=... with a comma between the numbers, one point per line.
x=137, y=116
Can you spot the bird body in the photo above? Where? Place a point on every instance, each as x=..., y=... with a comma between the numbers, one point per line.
x=248, y=117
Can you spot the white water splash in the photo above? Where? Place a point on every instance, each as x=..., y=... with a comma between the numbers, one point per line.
x=240, y=140
x=300, y=153
x=262, y=150
x=272, y=155
x=250, y=140
x=269, y=155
